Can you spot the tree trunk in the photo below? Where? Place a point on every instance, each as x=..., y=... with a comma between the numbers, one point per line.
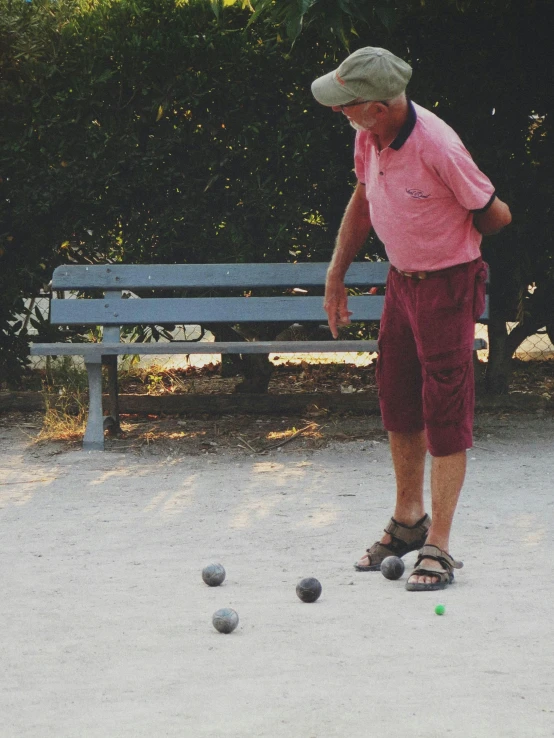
x=499, y=367
x=256, y=370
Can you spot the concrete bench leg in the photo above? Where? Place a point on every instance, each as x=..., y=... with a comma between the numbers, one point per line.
x=94, y=434
x=111, y=422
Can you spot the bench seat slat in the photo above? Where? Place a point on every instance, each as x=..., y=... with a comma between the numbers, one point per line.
x=90, y=350
x=232, y=276
x=203, y=347
x=202, y=310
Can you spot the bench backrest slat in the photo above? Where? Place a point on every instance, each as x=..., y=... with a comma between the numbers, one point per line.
x=114, y=311
x=201, y=310
x=188, y=276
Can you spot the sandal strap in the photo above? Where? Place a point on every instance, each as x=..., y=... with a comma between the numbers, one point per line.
x=437, y=554
x=380, y=549
x=443, y=576
x=409, y=533
x=404, y=538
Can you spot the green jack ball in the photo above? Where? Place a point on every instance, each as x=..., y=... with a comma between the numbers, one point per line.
x=225, y=620
x=440, y=609
x=213, y=574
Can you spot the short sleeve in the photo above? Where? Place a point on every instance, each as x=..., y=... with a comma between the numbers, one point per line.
x=472, y=188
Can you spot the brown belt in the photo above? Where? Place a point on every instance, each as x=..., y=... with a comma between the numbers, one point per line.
x=412, y=275
x=427, y=275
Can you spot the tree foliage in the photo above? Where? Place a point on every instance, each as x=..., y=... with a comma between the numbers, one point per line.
x=156, y=131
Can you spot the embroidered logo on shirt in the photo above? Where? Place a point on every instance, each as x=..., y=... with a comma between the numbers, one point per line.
x=418, y=194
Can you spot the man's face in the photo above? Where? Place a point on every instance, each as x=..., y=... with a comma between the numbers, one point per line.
x=359, y=114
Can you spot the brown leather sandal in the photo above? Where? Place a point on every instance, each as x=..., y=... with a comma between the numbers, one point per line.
x=405, y=538
x=444, y=578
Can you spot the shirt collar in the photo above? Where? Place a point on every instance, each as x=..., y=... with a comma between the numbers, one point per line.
x=406, y=129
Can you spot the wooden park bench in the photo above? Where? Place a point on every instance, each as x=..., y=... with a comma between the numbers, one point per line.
x=101, y=302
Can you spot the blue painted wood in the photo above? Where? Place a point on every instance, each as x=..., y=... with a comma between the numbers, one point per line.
x=95, y=350
x=202, y=310
x=231, y=276
x=111, y=334
x=201, y=347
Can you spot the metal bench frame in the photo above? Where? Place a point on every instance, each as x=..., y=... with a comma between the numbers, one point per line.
x=112, y=312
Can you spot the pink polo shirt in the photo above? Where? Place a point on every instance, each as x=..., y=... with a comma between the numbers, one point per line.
x=422, y=190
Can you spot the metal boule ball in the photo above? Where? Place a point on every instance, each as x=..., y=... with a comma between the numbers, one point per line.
x=392, y=567
x=225, y=620
x=309, y=589
x=213, y=574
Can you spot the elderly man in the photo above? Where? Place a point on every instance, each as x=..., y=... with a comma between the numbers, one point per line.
x=429, y=203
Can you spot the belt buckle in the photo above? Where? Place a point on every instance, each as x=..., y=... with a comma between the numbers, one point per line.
x=415, y=275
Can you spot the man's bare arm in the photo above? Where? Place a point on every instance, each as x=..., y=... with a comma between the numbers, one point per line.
x=493, y=219
x=353, y=232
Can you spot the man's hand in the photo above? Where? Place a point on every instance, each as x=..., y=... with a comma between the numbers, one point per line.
x=336, y=304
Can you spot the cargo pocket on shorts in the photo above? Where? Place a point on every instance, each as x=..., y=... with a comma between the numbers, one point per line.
x=448, y=388
x=480, y=291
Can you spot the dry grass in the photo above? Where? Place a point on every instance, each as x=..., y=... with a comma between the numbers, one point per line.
x=173, y=435
x=64, y=421
x=65, y=392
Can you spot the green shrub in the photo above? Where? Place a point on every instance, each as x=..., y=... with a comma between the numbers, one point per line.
x=153, y=131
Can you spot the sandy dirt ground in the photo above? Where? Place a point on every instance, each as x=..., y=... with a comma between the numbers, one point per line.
x=106, y=623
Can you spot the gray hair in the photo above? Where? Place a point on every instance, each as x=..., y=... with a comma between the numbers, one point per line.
x=394, y=102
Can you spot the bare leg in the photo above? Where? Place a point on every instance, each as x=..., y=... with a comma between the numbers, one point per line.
x=408, y=452
x=447, y=478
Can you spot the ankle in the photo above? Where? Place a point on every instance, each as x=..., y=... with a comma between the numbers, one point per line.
x=442, y=542
x=409, y=517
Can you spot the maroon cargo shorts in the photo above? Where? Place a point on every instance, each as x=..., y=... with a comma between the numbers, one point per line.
x=425, y=363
